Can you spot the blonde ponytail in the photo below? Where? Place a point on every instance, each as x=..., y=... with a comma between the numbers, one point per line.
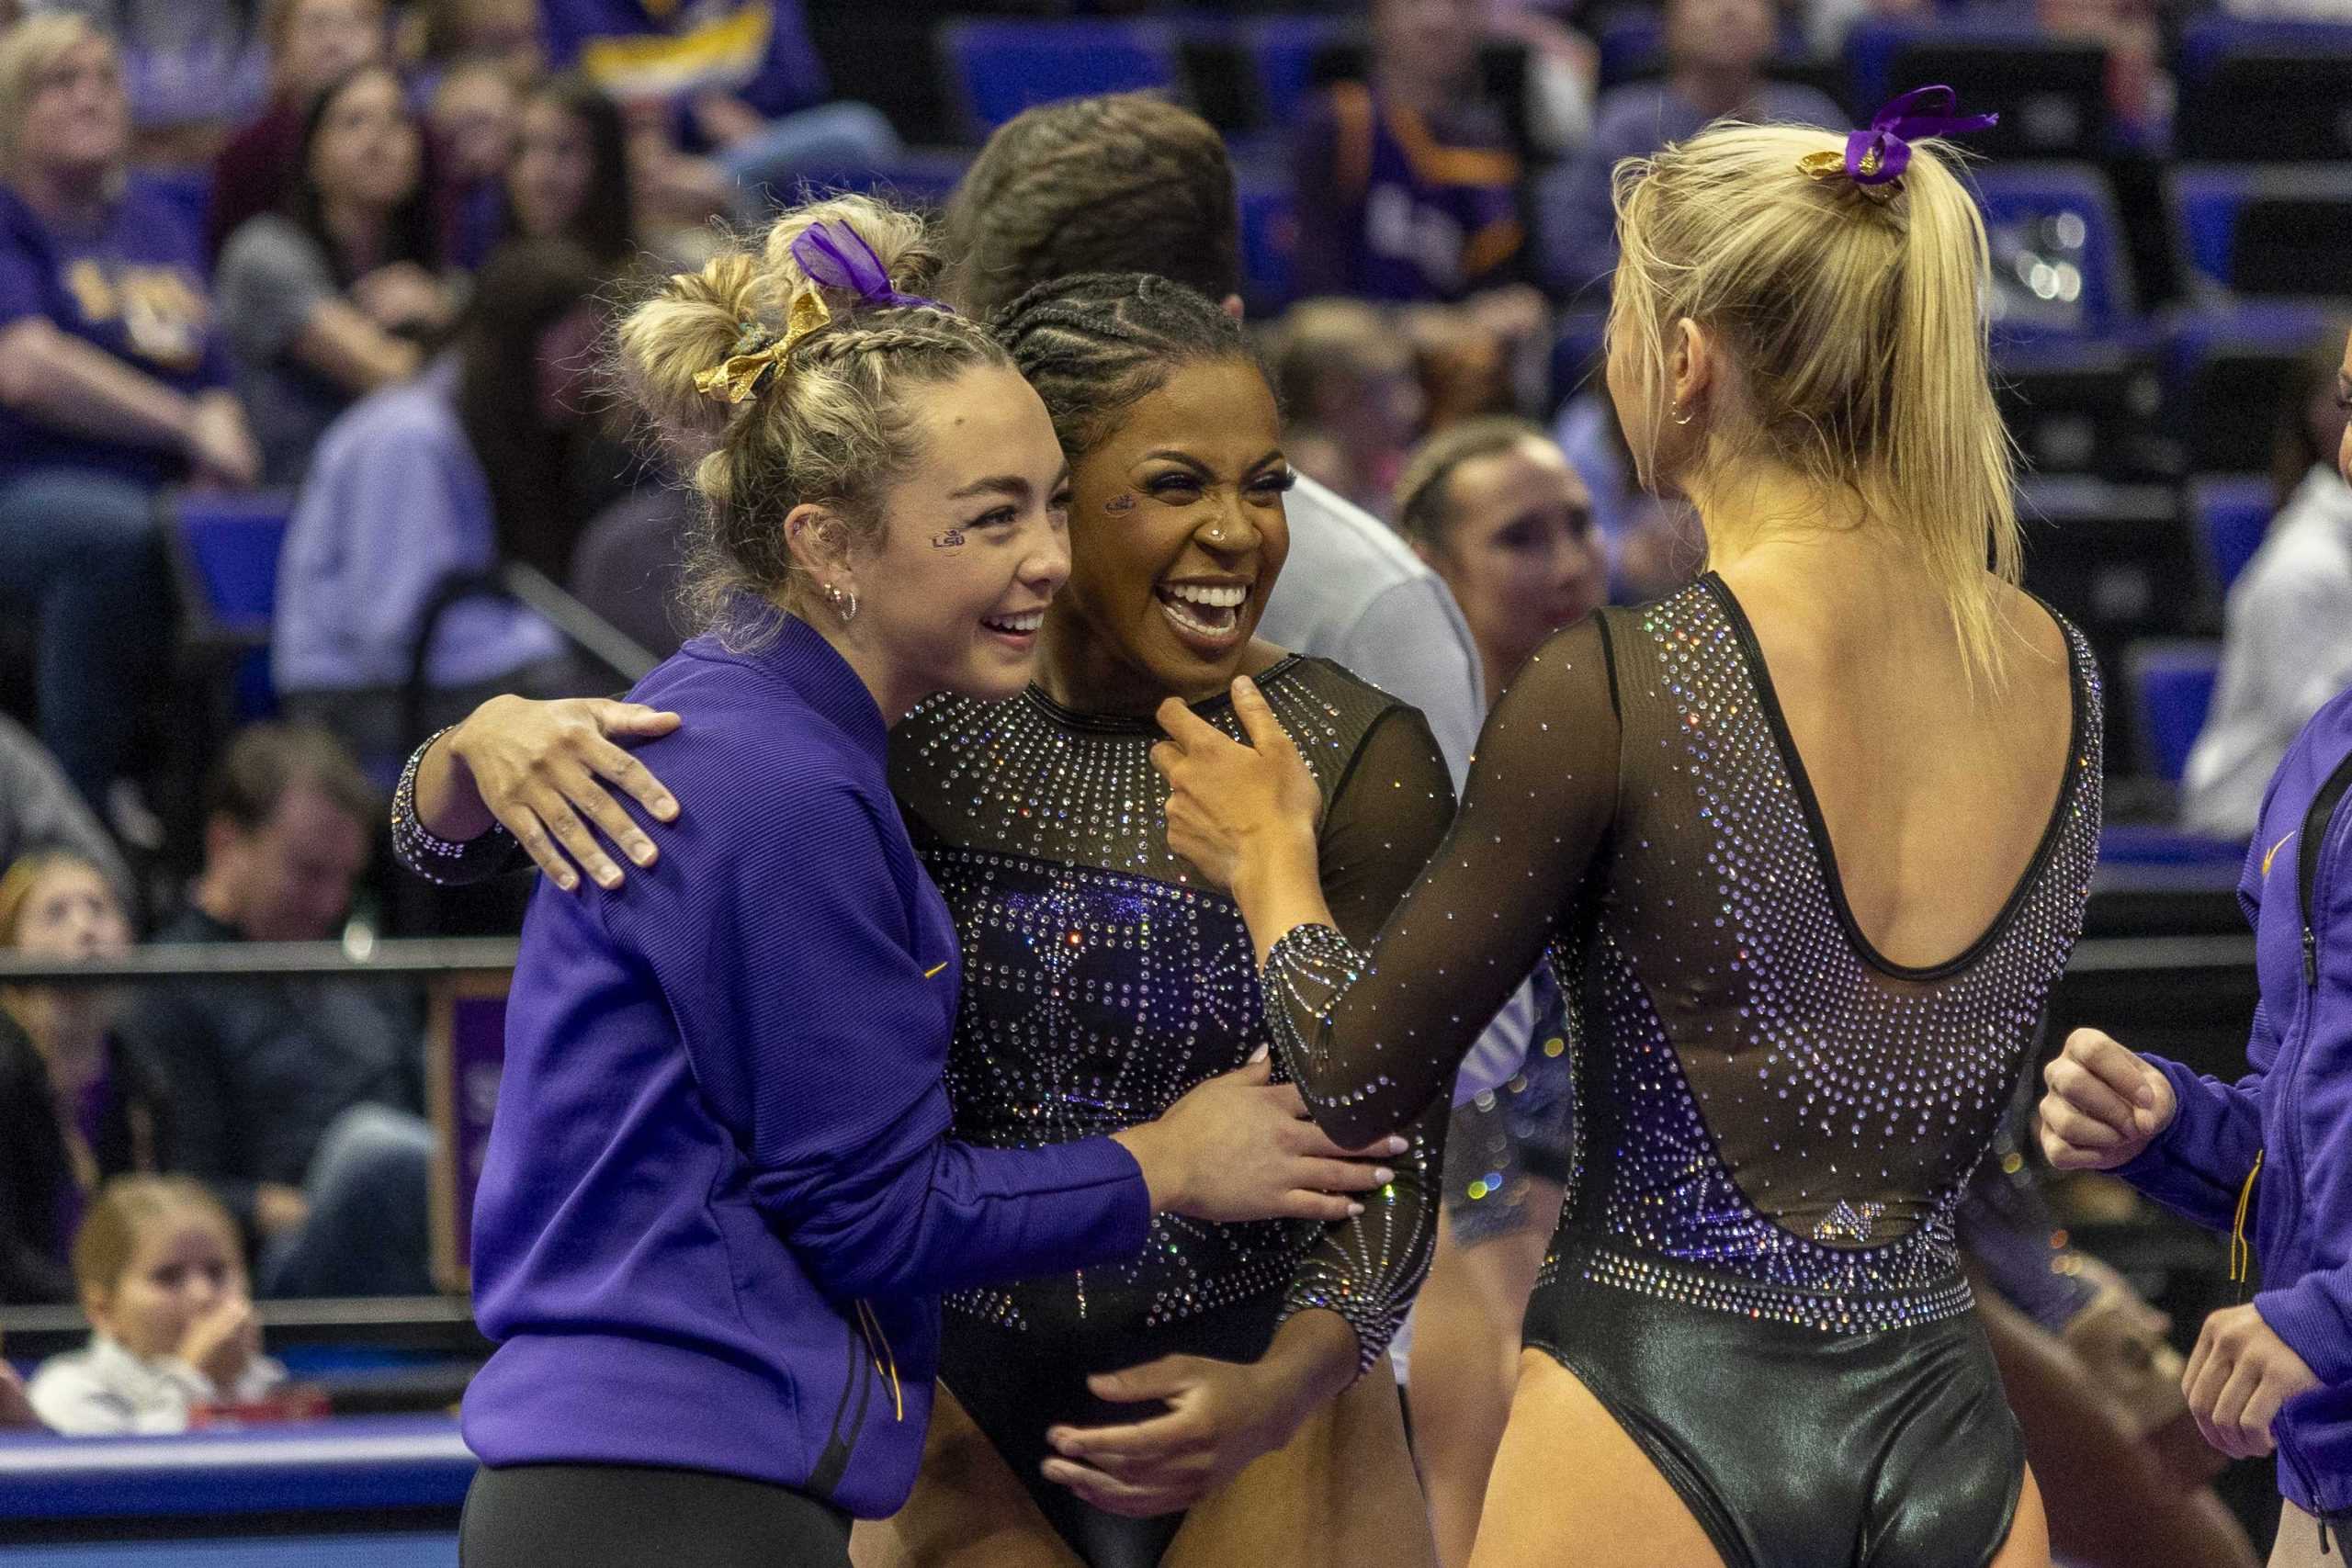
x=1858, y=324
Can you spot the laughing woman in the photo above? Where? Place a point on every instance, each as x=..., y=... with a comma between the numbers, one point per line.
x=718, y=1204
x=1225, y=1399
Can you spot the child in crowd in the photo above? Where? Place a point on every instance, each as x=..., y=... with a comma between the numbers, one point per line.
x=161, y=1276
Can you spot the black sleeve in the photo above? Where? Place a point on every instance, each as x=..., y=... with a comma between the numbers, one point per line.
x=1386, y=817
x=1373, y=1032
x=444, y=860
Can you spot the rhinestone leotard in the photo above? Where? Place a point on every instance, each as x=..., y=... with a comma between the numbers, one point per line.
x=1777, y=1121
x=1102, y=981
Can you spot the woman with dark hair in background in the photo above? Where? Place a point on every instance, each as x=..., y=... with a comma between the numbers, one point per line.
x=336, y=296
x=570, y=179
x=459, y=471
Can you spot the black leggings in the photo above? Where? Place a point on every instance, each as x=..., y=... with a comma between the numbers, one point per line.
x=602, y=1515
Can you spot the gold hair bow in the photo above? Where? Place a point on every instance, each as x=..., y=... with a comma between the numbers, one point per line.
x=758, y=352
x=1829, y=167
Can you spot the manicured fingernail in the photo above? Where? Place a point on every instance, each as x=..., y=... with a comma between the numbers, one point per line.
x=642, y=853
x=1397, y=1146
x=608, y=878
x=567, y=882
x=1384, y=1175
x=1259, y=1054
x=1355, y=1209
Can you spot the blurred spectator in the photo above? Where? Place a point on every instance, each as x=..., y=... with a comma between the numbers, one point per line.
x=161, y=1278
x=630, y=562
x=1492, y=504
x=1827, y=22
x=1715, y=53
x=1406, y=184
x=311, y=43
x=1350, y=394
x=571, y=176
x=404, y=499
x=113, y=382
x=2287, y=641
x=41, y=810
x=736, y=80
x=2140, y=92
x=196, y=68
x=502, y=33
x=16, y=1406
x=296, y=1101
x=1563, y=74
x=334, y=298
x=473, y=122
x=76, y=1105
x=1653, y=544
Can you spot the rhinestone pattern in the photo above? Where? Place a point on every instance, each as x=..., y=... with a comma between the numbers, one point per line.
x=1102, y=982
x=1764, y=1101
x=447, y=861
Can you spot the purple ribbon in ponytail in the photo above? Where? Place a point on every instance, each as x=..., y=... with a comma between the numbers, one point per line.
x=835, y=255
x=1879, y=155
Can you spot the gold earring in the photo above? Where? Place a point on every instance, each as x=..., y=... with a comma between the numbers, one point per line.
x=1684, y=416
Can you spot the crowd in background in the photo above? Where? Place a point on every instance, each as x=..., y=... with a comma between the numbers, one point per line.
x=388, y=306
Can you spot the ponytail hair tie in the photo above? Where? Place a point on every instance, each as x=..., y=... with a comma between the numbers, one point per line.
x=833, y=255
x=1874, y=158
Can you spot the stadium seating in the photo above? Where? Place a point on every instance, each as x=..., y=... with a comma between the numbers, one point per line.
x=2050, y=93
x=2265, y=91
x=2171, y=686
x=225, y=547
x=2058, y=250
x=2224, y=369
x=2265, y=229
x=999, y=68
x=2085, y=408
x=2230, y=513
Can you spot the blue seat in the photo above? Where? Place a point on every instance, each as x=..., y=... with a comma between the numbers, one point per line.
x=922, y=177
x=2263, y=92
x=225, y=545
x=1285, y=52
x=2265, y=228
x=997, y=69
x=2230, y=513
x=2050, y=92
x=2059, y=260
x=2172, y=688
x=2224, y=367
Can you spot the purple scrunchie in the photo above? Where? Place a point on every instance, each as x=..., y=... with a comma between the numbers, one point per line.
x=836, y=256
x=1879, y=155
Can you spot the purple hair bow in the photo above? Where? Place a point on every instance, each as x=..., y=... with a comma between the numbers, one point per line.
x=836, y=256
x=1879, y=155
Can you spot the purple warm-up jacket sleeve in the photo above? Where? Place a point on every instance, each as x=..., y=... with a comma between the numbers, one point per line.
x=818, y=1032
x=2197, y=1166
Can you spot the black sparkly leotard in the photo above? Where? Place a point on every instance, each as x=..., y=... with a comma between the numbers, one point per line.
x=1100, y=982
x=1756, y=1268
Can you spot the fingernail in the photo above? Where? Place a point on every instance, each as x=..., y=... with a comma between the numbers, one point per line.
x=1355, y=1209
x=1384, y=1175
x=1397, y=1146
x=666, y=806
x=2146, y=1096
x=642, y=853
x=1259, y=1054
x=610, y=879
x=567, y=882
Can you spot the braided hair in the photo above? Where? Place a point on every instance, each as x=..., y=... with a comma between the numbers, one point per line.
x=829, y=427
x=1096, y=344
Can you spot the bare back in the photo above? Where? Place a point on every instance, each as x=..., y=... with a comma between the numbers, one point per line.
x=1933, y=795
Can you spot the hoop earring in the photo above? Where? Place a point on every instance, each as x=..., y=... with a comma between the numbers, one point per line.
x=844, y=605
x=1684, y=416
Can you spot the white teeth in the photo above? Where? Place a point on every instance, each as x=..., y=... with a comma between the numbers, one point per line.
x=1018, y=623
x=1228, y=619
x=1215, y=598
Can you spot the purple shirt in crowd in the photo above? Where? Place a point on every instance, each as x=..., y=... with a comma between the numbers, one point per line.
x=132, y=287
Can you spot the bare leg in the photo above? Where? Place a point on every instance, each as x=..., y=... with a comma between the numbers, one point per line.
x=968, y=1509
x=1466, y=1361
x=2298, y=1544
x=2028, y=1542
x=1340, y=1493
x=1571, y=1490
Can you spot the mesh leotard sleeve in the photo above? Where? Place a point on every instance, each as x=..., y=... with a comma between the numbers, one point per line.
x=1386, y=817
x=1374, y=1030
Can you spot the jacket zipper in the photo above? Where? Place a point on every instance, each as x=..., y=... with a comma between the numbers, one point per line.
x=2321, y=1513
x=2316, y=822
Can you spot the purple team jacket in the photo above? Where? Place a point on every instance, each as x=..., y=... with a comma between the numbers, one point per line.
x=2295, y=1107
x=720, y=1202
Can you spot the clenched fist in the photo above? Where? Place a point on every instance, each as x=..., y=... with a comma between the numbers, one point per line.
x=2105, y=1105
